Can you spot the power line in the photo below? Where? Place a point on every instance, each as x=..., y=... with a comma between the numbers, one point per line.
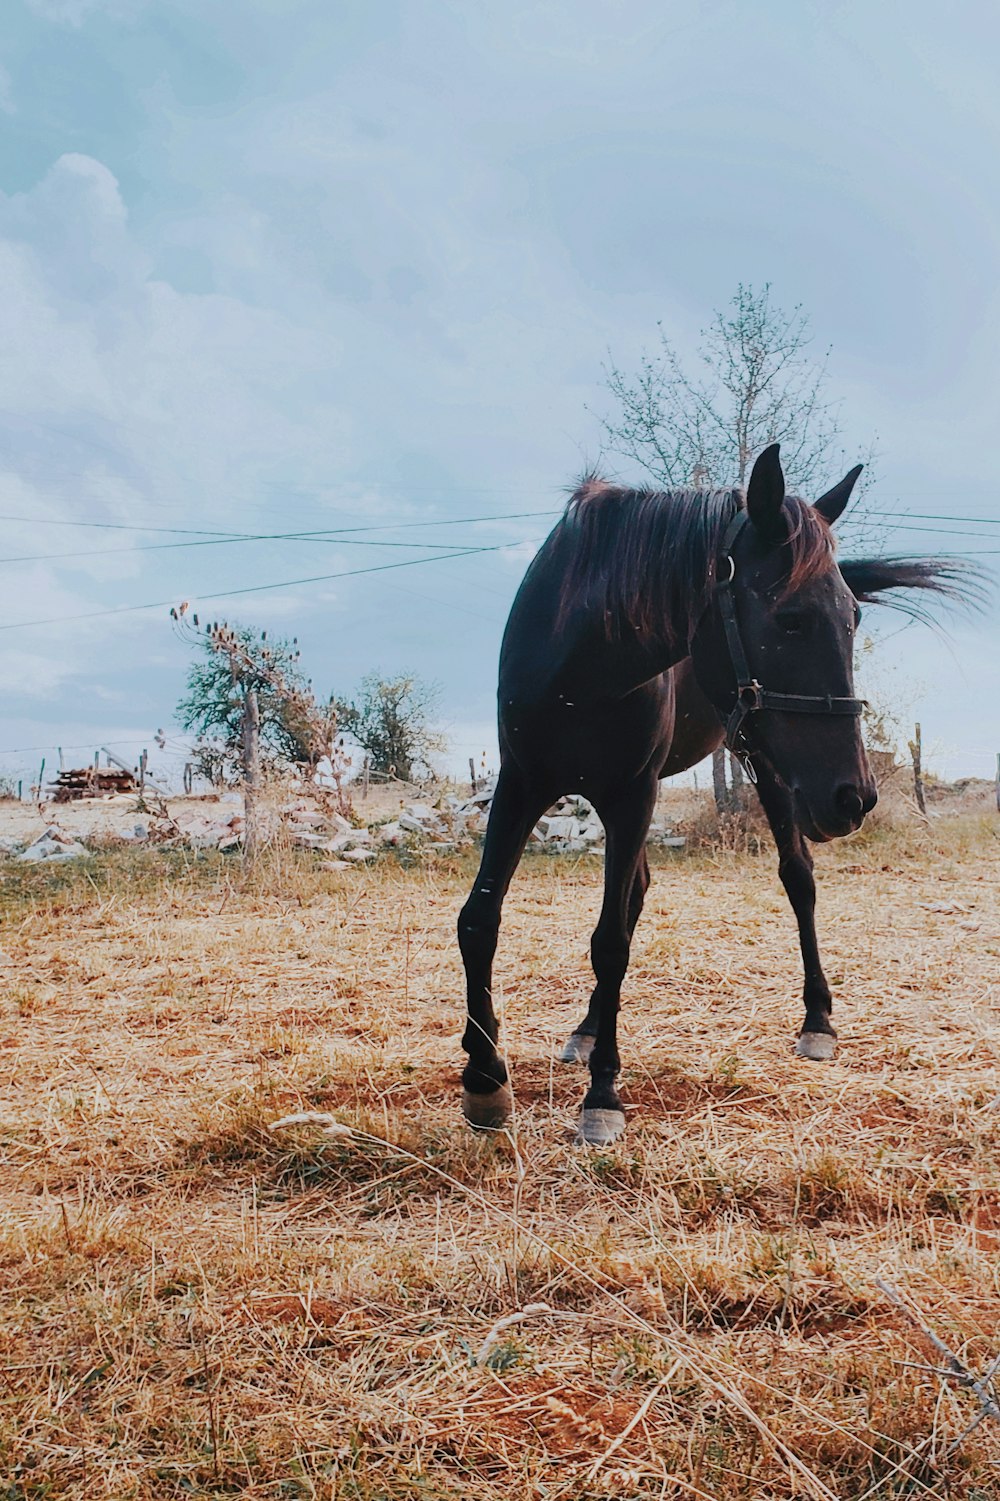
x=941, y=531
x=932, y=516
x=120, y=526
x=320, y=578
x=338, y=538
x=343, y=536
x=188, y=531
x=901, y=520
x=114, y=552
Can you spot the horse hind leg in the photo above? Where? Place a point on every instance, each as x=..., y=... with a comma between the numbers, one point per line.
x=602, y=1119
x=580, y=1043
x=487, y=1101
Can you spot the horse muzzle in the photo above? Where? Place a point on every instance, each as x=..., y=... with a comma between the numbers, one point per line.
x=844, y=814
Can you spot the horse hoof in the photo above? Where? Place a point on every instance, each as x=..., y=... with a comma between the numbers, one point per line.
x=819, y=1046
x=599, y=1128
x=578, y=1048
x=488, y=1112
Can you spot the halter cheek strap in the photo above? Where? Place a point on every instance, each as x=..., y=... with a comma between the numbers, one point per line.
x=751, y=697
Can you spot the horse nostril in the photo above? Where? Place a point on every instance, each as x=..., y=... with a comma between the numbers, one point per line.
x=869, y=797
x=851, y=803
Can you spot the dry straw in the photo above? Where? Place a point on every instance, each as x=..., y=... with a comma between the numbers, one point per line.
x=195, y=1303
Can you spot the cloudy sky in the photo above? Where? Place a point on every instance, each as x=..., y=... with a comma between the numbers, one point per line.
x=286, y=266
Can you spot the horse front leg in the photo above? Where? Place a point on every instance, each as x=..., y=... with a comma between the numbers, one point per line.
x=817, y=1040
x=626, y=822
x=486, y=1099
x=580, y=1042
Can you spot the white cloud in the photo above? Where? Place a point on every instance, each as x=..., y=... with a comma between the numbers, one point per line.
x=126, y=401
x=176, y=399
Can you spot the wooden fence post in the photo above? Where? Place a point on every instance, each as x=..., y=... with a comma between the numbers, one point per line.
x=719, y=780
x=998, y=781
x=472, y=775
x=251, y=776
x=367, y=769
x=737, y=782
x=918, y=775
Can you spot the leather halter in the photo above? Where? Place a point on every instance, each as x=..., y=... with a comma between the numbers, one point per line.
x=751, y=697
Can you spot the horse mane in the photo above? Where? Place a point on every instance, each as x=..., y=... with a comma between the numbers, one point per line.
x=646, y=559
x=958, y=582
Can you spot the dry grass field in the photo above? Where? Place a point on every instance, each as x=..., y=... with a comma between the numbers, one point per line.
x=196, y=1305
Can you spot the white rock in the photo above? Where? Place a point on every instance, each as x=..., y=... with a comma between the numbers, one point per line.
x=414, y=825
x=424, y=812
x=48, y=848
x=202, y=835
x=308, y=818
x=359, y=856
x=560, y=827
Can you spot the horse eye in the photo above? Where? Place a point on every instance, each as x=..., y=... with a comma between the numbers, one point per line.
x=792, y=622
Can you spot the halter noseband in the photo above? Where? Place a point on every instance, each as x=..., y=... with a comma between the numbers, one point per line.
x=751, y=698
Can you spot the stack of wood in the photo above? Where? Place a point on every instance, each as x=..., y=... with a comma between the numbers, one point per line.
x=92, y=781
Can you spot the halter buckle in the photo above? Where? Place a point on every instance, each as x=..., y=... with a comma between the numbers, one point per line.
x=743, y=757
x=750, y=696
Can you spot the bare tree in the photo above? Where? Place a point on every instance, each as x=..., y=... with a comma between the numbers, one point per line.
x=756, y=382
x=252, y=710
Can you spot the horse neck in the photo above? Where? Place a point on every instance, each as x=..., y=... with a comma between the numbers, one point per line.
x=549, y=652
x=596, y=665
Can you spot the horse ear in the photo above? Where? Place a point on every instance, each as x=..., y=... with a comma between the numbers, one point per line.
x=766, y=492
x=831, y=505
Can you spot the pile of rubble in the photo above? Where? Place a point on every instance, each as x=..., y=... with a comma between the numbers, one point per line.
x=571, y=825
x=203, y=827
x=329, y=833
x=453, y=822
x=52, y=846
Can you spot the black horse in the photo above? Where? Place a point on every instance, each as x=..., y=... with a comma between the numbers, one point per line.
x=651, y=627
